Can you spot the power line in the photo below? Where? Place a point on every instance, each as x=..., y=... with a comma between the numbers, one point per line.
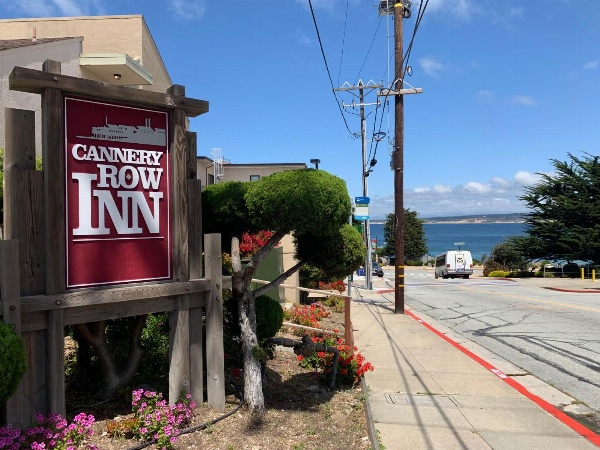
x=327, y=68
x=369, y=51
x=420, y=14
x=343, y=42
x=405, y=60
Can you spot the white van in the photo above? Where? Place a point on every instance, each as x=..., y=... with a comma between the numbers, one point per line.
x=454, y=263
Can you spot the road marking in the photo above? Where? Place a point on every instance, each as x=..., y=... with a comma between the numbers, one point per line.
x=533, y=299
x=560, y=415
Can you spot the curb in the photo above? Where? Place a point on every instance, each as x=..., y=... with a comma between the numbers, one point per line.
x=569, y=421
x=371, y=431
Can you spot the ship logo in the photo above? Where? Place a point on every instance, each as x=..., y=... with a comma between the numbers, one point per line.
x=127, y=133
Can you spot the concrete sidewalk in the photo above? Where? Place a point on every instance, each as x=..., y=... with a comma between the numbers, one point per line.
x=427, y=392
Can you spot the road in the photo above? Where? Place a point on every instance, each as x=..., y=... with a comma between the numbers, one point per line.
x=552, y=335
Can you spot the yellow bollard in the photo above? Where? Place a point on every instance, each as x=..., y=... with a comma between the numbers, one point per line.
x=582, y=274
x=593, y=275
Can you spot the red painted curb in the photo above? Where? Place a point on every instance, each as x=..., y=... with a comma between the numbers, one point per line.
x=385, y=291
x=580, y=291
x=564, y=418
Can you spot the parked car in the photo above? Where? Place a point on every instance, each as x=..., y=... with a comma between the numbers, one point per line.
x=377, y=270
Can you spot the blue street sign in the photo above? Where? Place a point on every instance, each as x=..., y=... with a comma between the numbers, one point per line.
x=361, y=200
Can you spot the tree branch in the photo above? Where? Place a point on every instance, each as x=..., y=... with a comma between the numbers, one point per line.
x=260, y=255
x=136, y=351
x=280, y=279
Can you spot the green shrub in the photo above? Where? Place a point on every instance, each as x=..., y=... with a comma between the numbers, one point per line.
x=414, y=263
x=499, y=274
x=269, y=318
x=520, y=274
x=12, y=361
x=335, y=302
x=492, y=266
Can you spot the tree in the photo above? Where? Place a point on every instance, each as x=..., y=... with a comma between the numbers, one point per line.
x=564, y=222
x=311, y=204
x=508, y=256
x=415, y=244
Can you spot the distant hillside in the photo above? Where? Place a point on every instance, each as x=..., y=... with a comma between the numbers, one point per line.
x=481, y=218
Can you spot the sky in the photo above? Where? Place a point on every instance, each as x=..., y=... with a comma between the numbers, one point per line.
x=508, y=87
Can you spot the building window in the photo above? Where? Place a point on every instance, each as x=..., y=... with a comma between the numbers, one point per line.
x=254, y=177
x=210, y=179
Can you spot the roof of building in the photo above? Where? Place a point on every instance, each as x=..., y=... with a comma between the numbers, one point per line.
x=18, y=43
x=262, y=164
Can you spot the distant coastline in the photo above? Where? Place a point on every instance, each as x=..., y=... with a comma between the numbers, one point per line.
x=481, y=218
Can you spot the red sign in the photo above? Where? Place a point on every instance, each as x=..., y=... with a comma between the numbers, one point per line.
x=117, y=194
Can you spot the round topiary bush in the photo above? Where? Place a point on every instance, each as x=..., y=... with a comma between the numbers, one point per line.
x=269, y=317
x=12, y=361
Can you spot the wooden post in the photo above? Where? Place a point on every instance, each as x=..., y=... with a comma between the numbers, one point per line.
x=53, y=160
x=11, y=314
x=24, y=220
x=9, y=284
x=215, y=365
x=179, y=157
x=24, y=186
x=196, y=356
x=179, y=365
x=195, y=262
x=348, y=331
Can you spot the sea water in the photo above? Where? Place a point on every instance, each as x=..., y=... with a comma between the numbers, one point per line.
x=478, y=238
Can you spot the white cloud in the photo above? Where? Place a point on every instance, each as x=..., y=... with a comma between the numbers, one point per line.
x=500, y=183
x=486, y=96
x=461, y=9
x=442, y=189
x=516, y=11
x=327, y=5
x=476, y=187
x=592, y=65
x=431, y=66
x=524, y=178
x=54, y=8
x=36, y=8
x=523, y=100
x=70, y=8
x=188, y=9
x=498, y=196
x=303, y=38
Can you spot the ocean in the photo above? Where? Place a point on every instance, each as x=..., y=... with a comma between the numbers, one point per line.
x=478, y=238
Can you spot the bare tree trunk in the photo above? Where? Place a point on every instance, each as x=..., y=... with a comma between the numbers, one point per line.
x=112, y=377
x=241, y=281
x=253, y=394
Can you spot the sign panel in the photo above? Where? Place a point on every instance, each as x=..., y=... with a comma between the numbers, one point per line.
x=361, y=211
x=118, y=195
x=362, y=200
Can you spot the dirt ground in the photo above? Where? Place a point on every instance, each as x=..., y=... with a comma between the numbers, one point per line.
x=302, y=414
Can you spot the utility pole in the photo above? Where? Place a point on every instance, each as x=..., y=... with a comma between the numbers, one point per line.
x=367, y=228
x=363, y=133
x=401, y=10
x=399, y=159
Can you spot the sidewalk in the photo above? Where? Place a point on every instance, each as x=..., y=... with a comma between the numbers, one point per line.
x=432, y=389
